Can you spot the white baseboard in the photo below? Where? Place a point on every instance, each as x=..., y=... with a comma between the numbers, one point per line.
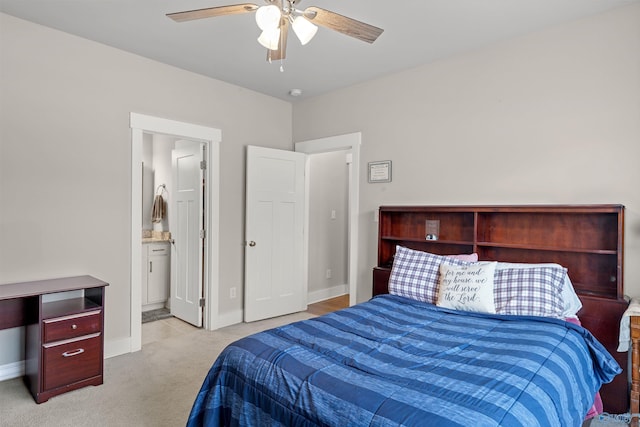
x=117, y=347
x=12, y=370
x=235, y=317
x=155, y=306
x=323, y=294
x=228, y=319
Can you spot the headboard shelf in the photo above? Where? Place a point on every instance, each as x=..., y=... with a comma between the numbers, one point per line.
x=432, y=242
x=585, y=239
x=546, y=248
x=567, y=230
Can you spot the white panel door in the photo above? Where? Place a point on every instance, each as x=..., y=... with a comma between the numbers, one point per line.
x=186, y=227
x=274, y=252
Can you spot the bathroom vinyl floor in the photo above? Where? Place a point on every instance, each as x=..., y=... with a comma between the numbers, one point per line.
x=152, y=315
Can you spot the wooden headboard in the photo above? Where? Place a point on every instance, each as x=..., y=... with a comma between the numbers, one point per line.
x=586, y=239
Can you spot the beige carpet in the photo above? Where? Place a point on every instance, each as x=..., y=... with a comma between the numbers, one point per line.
x=153, y=387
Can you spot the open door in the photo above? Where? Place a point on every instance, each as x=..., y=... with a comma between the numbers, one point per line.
x=275, y=282
x=188, y=232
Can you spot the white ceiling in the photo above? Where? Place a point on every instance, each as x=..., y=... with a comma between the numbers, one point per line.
x=225, y=48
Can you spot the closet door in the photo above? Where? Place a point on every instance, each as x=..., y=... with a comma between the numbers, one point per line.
x=274, y=254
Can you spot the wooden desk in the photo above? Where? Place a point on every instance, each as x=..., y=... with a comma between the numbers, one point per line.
x=634, y=401
x=64, y=339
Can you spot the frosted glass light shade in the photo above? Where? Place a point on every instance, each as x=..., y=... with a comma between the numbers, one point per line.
x=304, y=29
x=270, y=38
x=268, y=17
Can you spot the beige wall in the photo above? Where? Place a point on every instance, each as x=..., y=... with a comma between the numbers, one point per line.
x=328, y=182
x=65, y=158
x=553, y=117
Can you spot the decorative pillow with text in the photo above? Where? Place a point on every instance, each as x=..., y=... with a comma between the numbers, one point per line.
x=467, y=287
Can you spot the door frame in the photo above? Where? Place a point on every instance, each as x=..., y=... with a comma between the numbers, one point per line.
x=350, y=141
x=212, y=137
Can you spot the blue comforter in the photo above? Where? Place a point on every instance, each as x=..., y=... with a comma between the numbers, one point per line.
x=394, y=361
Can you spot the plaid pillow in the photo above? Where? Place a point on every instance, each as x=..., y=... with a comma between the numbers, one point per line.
x=415, y=274
x=535, y=291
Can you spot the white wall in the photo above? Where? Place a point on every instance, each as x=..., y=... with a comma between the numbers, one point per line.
x=328, y=237
x=552, y=117
x=147, y=181
x=65, y=159
x=162, y=147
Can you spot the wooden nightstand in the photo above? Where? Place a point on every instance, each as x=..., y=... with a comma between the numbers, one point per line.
x=634, y=400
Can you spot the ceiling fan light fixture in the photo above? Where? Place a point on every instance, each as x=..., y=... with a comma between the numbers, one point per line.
x=270, y=38
x=275, y=18
x=268, y=17
x=304, y=29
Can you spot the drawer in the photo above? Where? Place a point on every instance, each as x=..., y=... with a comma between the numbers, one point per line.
x=69, y=361
x=158, y=249
x=76, y=325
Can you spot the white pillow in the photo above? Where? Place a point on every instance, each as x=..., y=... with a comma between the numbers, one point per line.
x=571, y=302
x=467, y=287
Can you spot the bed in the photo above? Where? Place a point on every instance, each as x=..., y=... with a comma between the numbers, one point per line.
x=397, y=361
x=432, y=352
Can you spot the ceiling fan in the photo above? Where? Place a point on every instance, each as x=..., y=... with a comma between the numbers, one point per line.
x=276, y=16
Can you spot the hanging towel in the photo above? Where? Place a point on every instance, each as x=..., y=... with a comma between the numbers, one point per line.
x=158, y=211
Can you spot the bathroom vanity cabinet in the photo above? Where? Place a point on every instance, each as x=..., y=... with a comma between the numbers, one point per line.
x=156, y=268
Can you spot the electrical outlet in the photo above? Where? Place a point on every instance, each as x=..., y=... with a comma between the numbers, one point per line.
x=232, y=293
x=328, y=273
x=333, y=214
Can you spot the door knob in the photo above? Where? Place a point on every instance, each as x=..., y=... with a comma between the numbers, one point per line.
x=252, y=243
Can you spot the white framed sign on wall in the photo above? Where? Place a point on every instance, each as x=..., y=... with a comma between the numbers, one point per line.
x=380, y=171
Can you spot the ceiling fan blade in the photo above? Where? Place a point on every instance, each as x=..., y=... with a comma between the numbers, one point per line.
x=211, y=12
x=281, y=52
x=342, y=24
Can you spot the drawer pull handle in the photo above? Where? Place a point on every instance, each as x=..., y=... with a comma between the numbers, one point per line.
x=73, y=353
x=74, y=326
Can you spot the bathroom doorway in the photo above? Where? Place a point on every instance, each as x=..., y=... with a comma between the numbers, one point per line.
x=173, y=228
x=210, y=138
